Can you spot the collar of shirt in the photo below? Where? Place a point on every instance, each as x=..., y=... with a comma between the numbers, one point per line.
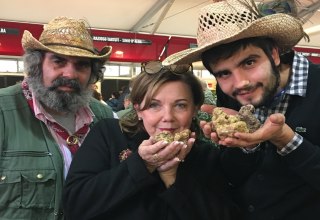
x=298, y=80
x=297, y=86
x=83, y=116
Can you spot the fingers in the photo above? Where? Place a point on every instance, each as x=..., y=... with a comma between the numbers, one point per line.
x=207, y=108
x=277, y=119
x=274, y=129
x=206, y=128
x=179, y=158
x=246, y=142
x=157, y=154
x=150, y=153
x=182, y=154
x=229, y=111
x=170, y=164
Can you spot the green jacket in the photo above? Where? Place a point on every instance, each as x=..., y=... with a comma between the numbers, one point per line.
x=31, y=165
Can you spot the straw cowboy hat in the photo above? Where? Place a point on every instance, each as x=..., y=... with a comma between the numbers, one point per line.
x=65, y=36
x=231, y=20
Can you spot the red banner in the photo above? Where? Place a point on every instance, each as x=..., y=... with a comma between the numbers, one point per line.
x=127, y=47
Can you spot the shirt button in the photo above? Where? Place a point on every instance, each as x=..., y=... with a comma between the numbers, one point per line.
x=3, y=178
x=39, y=176
x=251, y=208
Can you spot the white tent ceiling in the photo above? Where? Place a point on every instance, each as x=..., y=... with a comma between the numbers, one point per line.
x=169, y=17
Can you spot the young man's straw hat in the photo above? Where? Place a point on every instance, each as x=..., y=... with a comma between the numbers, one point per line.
x=231, y=20
x=65, y=36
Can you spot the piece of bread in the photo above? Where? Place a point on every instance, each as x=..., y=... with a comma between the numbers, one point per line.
x=226, y=125
x=170, y=137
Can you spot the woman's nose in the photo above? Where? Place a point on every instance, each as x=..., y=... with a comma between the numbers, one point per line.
x=167, y=114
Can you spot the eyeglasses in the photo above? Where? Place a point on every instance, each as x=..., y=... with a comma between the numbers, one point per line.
x=153, y=67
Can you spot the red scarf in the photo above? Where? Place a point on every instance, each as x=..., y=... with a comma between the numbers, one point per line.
x=72, y=141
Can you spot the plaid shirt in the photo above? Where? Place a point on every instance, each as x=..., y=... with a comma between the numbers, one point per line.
x=297, y=86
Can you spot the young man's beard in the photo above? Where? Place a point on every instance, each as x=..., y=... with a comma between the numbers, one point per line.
x=57, y=100
x=270, y=91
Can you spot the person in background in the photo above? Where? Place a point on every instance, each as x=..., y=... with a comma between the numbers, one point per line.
x=209, y=98
x=127, y=106
x=45, y=118
x=136, y=177
x=205, y=112
x=253, y=60
x=114, y=100
x=125, y=90
x=97, y=95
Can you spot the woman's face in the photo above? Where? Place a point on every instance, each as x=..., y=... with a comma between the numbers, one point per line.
x=171, y=109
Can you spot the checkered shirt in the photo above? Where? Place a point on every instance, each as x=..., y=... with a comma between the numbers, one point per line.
x=297, y=86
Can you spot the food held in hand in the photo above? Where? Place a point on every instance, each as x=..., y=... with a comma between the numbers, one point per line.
x=164, y=136
x=170, y=137
x=226, y=125
x=246, y=114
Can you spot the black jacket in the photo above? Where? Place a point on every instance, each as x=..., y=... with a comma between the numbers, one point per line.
x=99, y=186
x=282, y=187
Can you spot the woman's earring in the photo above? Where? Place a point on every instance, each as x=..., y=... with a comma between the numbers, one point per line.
x=139, y=118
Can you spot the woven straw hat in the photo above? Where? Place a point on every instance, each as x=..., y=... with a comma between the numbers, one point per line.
x=231, y=20
x=65, y=36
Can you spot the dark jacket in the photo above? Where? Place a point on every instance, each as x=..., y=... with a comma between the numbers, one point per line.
x=31, y=164
x=113, y=103
x=283, y=187
x=99, y=186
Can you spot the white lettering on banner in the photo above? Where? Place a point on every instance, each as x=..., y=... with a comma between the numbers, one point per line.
x=306, y=54
x=3, y=31
x=122, y=40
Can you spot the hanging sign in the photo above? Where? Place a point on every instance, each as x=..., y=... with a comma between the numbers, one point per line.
x=13, y=31
x=122, y=40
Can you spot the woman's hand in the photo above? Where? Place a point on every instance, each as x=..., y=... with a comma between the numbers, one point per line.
x=179, y=157
x=168, y=171
x=160, y=153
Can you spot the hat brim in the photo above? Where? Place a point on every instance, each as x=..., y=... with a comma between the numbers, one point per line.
x=284, y=29
x=30, y=43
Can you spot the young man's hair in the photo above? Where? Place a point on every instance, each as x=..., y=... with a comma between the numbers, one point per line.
x=225, y=51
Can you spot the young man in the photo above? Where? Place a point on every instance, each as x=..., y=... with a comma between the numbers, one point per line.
x=44, y=119
x=252, y=59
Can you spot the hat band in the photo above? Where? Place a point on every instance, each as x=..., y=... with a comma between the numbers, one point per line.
x=82, y=48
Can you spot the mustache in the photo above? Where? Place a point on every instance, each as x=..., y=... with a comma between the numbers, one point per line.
x=72, y=83
x=246, y=88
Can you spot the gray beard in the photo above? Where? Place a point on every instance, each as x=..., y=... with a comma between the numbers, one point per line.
x=60, y=101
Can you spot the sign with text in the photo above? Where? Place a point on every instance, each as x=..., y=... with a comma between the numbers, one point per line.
x=13, y=31
x=122, y=40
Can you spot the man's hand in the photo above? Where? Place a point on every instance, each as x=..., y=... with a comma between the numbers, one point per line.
x=274, y=130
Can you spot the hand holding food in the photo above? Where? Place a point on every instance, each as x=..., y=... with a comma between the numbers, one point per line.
x=226, y=125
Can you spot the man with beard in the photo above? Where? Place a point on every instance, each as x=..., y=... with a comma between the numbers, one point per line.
x=252, y=58
x=44, y=119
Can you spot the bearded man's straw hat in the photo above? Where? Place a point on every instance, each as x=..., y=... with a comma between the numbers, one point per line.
x=65, y=36
x=227, y=21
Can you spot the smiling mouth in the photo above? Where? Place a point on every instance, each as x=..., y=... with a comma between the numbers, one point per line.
x=245, y=91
